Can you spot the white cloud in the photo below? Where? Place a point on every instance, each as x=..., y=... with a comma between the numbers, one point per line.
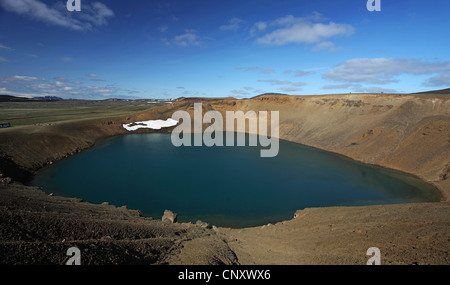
x=356, y=87
x=289, y=89
x=2, y=59
x=327, y=46
x=94, y=14
x=257, y=28
x=302, y=30
x=256, y=69
x=297, y=73
x=439, y=80
x=5, y=91
x=300, y=73
x=276, y=82
x=41, y=86
x=240, y=92
x=189, y=38
x=101, y=89
x=61, y=78
x=5, y=47
x=382, y=70
x=20, y=78
x=234, y=24
x=294, y=86
x=58, y=86
x=94, y=77
x=282, y=82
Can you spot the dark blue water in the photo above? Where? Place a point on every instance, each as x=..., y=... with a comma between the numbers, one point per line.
x=224, y=186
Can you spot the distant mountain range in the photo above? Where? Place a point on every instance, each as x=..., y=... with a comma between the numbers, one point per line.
x=442, y=92
x=270, y=94
x=9, y=98
x=49, y=98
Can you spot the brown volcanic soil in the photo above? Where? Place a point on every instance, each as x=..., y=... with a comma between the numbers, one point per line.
x=37, y=228
x=405, y=132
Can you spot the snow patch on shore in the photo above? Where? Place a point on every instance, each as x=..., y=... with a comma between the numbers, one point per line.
x=151, y=124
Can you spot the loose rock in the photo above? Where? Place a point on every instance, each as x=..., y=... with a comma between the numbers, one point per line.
x=203, y=224
x=169, y=216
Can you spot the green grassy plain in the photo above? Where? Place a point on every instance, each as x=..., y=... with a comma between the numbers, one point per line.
x=46, y=112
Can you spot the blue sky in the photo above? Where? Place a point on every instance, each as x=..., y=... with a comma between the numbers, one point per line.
x=212, y=48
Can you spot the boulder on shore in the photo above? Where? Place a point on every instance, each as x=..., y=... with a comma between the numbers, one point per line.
x=203, y=224
x=169, y=216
